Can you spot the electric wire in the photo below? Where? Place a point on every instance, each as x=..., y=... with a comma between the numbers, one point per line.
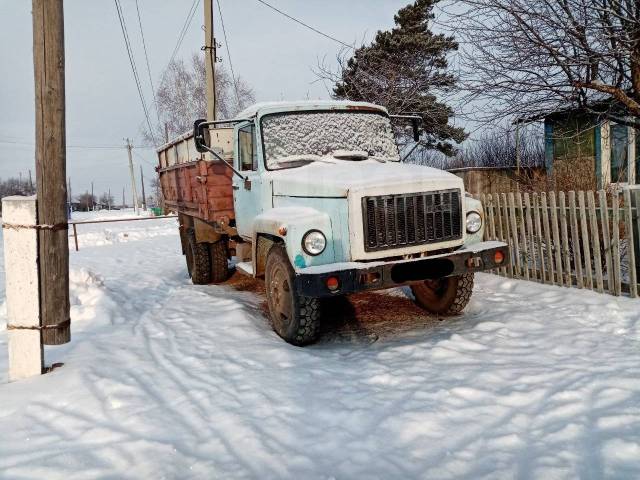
x=83, y=147
x=133, y=67
x=185, y=28
x=306, y=25
x=146, y=57
x=226, y=44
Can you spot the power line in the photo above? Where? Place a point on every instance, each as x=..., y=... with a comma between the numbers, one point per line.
x=305, y=25
x=226, y=44
x=84, y=147
x=133, y=67
x=146, y=57
x=185, y=28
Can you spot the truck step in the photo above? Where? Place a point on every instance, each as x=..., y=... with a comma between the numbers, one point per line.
x=245, y=268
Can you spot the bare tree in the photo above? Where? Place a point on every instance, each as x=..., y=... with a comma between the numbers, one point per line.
x=182, y=98
x=529, y=57
x=87, y=201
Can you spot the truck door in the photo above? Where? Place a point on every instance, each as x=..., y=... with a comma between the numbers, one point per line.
x=247, y=195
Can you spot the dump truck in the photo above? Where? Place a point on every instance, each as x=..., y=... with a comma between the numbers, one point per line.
x=314, y=198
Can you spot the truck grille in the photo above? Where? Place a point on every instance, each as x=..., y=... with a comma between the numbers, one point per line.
x=393, y=221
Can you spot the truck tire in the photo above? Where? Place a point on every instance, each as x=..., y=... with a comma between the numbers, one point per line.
x=198, y=261
x=445, y=296
x=219, y=264
x=295, y=318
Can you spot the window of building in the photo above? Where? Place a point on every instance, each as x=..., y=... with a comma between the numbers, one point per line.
x=619, y=153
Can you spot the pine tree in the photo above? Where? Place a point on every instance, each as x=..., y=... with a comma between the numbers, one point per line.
x=402, y=69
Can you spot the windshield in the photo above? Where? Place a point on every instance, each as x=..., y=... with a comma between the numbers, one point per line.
x=295, y=139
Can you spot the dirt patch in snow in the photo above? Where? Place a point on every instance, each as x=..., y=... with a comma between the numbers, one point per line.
x=361, y=317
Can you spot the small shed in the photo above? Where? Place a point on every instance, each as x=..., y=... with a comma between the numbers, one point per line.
x=582, y=144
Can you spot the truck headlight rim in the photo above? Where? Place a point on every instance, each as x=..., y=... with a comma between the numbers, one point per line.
x=474, y=222
x=314, y=242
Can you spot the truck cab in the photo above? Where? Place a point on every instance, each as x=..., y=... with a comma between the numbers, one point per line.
x=322, y=205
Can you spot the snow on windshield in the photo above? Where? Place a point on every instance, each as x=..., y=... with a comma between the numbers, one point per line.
x=321, y=133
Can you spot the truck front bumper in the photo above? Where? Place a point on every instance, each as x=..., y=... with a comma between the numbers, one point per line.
x=353, y=277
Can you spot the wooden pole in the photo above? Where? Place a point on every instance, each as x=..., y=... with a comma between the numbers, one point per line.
x=93, y=205
x=123, y=202
x=144, y=199
x=134, y=193
x=210, y=59
x=109, y=200
x=50, y=153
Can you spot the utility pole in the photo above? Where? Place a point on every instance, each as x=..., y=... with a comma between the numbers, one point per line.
x=31, y=192
x=124, y=204
x=109, y=200
x=93, y=204
x=50, y=153
x=144, y=199
x=134, y=193
x=69, y=196
x=210, y=59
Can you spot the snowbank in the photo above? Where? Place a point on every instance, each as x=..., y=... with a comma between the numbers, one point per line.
x=164, y=379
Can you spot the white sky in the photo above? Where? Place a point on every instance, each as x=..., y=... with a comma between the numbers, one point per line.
x=271, y=52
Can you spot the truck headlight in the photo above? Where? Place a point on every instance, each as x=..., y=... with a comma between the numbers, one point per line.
x=314, y=242
x=474, y=222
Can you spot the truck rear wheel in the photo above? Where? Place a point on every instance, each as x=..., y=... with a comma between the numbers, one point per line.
x=198, y=261
x=219, y=264
x=445, y=296
x=295, y=318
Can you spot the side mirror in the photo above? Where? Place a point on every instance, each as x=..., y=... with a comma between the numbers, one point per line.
x=201, y=135
x=415, y=123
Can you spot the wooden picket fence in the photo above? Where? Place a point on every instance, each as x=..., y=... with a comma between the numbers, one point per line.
x=577, y=239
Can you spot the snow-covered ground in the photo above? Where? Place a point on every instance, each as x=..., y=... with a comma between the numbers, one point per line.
x=164, y=379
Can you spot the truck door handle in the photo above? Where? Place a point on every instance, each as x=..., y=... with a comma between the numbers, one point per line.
x=236, y=187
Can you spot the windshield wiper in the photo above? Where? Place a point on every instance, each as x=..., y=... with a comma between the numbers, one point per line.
x=303, y=159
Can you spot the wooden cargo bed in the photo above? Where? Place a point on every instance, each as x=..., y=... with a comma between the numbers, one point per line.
x=194, y=185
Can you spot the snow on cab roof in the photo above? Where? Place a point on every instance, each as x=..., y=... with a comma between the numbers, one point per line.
x=253, y=110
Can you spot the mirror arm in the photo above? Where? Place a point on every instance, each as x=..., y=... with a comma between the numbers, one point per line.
x=410, y=152
x=215, y=154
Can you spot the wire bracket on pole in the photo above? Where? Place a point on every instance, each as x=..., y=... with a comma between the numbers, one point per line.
x=54, y=326
x=54, y=228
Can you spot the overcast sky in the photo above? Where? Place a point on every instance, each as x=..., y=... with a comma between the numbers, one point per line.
x=273, y=54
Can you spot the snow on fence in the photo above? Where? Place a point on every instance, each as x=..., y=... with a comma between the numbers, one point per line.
x=575, y=239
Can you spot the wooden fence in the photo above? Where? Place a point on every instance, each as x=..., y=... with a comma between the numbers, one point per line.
x=578, y=239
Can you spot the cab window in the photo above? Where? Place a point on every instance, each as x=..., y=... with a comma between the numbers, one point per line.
x=247, y=148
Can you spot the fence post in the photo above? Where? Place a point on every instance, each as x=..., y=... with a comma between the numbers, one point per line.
x=634, y=192
x=22, y=287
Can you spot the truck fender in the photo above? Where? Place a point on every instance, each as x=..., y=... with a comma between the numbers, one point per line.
x=288, y=225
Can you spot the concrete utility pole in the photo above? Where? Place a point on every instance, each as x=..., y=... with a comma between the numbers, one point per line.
x=69, y=195
x=124, y=204
x=210, y=59
x=93, y=204
x=109, y=200
x=144, y=199
x=134, y=193
x=53, y=244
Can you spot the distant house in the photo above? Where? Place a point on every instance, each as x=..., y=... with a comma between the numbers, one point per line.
x=580, y=143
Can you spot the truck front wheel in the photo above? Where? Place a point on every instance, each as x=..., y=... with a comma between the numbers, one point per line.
x=445, y=296
x=295, y=318
x=198, y=261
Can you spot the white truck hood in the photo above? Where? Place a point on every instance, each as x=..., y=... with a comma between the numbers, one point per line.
x=323, y=180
